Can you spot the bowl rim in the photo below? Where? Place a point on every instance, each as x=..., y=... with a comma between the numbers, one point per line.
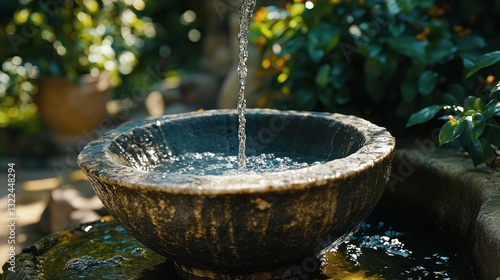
x=95, y=160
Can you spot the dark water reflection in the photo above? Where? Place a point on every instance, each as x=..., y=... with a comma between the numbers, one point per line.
x=389, y=245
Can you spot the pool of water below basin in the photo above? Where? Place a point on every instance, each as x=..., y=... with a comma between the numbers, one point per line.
x=389, y=245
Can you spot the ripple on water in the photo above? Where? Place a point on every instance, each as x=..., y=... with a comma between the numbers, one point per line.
x=208, y=163
x=390, y=245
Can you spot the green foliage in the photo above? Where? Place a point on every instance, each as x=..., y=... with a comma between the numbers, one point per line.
x=382, y=60
x=474, y=120
x=65, y=39
x=483, y=61
x=424, y=115
x=16, y=92
x=69, y=38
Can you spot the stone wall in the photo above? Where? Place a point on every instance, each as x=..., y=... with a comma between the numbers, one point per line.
x=464, y=200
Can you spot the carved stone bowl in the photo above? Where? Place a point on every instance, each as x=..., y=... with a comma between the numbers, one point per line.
x=241, y=226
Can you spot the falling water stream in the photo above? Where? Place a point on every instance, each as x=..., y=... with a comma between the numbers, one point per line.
x=246, y=11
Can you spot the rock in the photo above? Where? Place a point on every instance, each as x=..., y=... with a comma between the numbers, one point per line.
x=462, y=199
x=95, y=250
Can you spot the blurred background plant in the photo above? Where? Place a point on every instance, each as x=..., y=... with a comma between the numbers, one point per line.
x=68, y=38
x=381, y=60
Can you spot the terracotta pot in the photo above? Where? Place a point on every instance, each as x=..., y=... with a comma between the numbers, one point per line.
x=71, y=110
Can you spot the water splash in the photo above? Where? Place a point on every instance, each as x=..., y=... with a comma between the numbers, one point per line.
x=246, y=11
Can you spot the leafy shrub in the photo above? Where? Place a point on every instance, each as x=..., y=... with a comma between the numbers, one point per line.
x=382, y=60
x=69, y=38
x=65, y=39
x=474, y=122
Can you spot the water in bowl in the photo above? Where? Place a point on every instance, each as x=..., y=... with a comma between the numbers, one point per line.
x=208, y=163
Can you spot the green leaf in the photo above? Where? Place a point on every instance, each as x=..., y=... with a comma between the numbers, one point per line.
x=373, y=49
x=424, y=115
x=315, y=53
x=478, y=124
x=323, y=76
x=439, y=27
x=469, y=113
x=293, y=45
x=479, y=151
x=467, y=59
x=427, y=82
x=492, y=109
x=441, y=51
x=408, y=91
x=396, y=28
x=331, y=39
x=470, y=43
x=296, y=9
x=324, y=37
x=451, y=131
x=425, y=3
x=446, y=134
x=279, y=28
x=393, y=7
x=473, y=103
x=341, y=73
x=483, y=61
x=258, y=29
x=474, y=125
x=305, y=99
x=314, y=46
x=407, y=6
x=414, y=71
x=495, y=92
x=409, y=46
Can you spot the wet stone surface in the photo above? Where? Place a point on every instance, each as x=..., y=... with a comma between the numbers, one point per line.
x=98, y=250
x=388, y=246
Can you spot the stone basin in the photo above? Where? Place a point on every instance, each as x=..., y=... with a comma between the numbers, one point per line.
x=241, y=225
